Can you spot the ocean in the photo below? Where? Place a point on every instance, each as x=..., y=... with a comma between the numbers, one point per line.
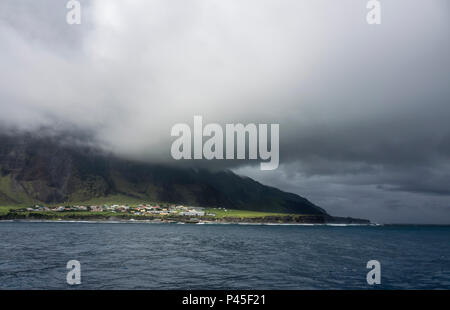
x=33, y=255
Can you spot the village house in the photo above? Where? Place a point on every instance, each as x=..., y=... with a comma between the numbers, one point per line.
x=96, y=208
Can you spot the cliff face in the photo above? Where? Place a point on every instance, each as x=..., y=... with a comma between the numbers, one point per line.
x=42, y=170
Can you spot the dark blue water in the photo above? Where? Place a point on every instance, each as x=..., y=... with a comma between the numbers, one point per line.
x=172, y=256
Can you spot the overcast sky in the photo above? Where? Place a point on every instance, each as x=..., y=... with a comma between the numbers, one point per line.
x=363, y=109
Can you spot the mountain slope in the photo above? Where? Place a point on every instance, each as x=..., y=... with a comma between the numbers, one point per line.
x=34, y=170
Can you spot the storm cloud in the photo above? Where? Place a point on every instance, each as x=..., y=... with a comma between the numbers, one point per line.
x=363, y=109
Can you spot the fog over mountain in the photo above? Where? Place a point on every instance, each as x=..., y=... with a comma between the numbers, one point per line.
x=363, y=109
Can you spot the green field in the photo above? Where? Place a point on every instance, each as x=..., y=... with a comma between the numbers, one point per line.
x=221, y=213
x=5, y=209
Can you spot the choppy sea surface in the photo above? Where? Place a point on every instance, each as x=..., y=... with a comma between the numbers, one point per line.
x=33, y=255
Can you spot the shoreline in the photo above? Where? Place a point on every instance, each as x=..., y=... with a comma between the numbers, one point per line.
x=251, y=221
x=133, y=221
x=268, y=220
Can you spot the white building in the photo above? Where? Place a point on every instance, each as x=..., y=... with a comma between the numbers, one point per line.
x=193, y=213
